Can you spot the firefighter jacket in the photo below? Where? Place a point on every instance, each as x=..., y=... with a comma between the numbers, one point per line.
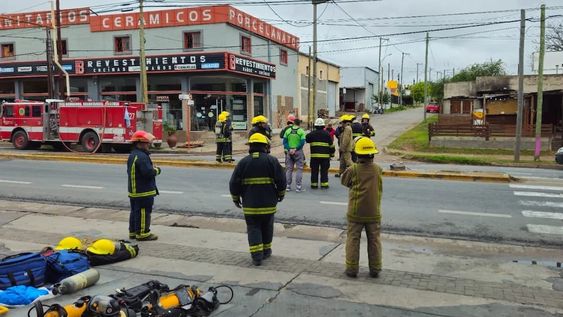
x=321, y=144
x=259, y=180
x=225, y=132
x=258, y=129
x=357, y=130
x=346, y=139
x=142, y=173
x=365, y=182
x=368, y=130
x=338, y=133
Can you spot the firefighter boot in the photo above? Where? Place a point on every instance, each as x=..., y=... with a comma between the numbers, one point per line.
x=147, y=237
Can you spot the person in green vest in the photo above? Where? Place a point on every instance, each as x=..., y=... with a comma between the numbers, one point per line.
x=293, y=142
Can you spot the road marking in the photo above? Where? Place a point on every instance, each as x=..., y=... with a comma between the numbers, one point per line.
x=226, y=196
x=14, y=182
x=170, y=192
x=542, y=214
x=333, y=203
x=471, y=213
x=82, y=186
x=541, y=203
x=536, y=194
x=543, y=229
x=519, y=186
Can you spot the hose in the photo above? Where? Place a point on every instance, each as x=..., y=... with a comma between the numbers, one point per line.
x=230, y=289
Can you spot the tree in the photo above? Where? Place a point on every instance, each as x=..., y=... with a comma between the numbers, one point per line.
x=554, y=37
x=385, y=96
x=492, y=68
x=417, y=92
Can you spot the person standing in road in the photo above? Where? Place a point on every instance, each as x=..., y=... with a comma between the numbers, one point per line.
x=223, y=132
x=357, y=131
x=364, y=208
x=142, y=186
x=256, y=186
x=290, y=121
x=322, y=149
x=331, y=131
x=293, y=142
x=367, y=129
x=260, y=125
x=346, y=144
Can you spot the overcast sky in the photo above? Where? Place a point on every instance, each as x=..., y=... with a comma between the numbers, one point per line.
x=460, y=47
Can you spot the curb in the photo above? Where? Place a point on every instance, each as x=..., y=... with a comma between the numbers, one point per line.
x=93, y=158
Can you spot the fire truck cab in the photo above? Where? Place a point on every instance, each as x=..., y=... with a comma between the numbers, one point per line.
x=94, y=125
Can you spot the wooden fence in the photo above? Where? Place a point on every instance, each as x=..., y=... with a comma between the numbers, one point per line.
x=485, y=131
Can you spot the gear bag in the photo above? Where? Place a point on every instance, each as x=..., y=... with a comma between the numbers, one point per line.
x=65, y=263
x=22, y=269
x=124, y=251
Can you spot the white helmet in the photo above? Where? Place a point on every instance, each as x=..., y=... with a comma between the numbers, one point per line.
x=319, y=122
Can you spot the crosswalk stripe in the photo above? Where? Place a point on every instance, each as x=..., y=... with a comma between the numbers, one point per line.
x=471, y=213
x=542, y=214
x=538, y=187
x=172, y=192
x=543, y=229
x=335, y=203
x=537, y=194
x=533, y=203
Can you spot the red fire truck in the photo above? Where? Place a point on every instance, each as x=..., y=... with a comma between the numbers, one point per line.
x=94, y=125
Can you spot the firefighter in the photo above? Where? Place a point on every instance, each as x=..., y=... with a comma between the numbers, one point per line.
x=260, y=125
x=256, y=186
x=293, y=142
x=322, y=149
x=367, y=129
x=223, y=131
x=142, y=186
x=357, y=131
x=365, y=182
x=346, y=144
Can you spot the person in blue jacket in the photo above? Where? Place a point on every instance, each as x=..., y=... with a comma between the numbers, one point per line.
x=142, y=186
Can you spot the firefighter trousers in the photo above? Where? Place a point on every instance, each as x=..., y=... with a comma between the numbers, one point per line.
x=345, y=161
x=319, y=165
x=373, y=231
x=140, y=217
x=224, y=151
x=260, y=230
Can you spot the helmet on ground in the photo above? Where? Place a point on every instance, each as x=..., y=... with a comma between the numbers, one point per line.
x=291, y=118
x=320, y=122
x=69, y=243
x=258, y=138
x=102, y=247
x=142, y=136
x=365, y=146
x=365, y=116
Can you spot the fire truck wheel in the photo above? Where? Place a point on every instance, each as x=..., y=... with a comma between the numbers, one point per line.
x=90, y=141
x=20, y=140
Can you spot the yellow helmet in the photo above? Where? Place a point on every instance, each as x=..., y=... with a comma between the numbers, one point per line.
x=365, y=146
x=69, y=243
x=345, y=117
x=226, y=114
x=222, y=118
x=258, y=138
x=102, y=247
x=365, y=116
x=259, y=119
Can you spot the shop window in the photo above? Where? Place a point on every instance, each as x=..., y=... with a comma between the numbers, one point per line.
x=34, y=86
x=64, y=48
x=78, y=85
x=7, y=87
x=118, y=84
x=122, y=44
x=192, y=40
x=8, y=50
x=283, y=57
x=258, y=88
x=321, y=75
x=245, y=45
x=36, y=111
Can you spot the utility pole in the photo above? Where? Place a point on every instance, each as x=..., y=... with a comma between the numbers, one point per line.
x=380, y=73
x=389, y=72
x=50, y=78
x=520, y=87
x=537, y=151
x=314, y=97
x=309, y=104
x=417, y=64
x=402, y=78
x=426, y=77
x=60, y=80
x=142, y=58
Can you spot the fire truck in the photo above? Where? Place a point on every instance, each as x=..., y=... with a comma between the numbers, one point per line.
x=94, y=125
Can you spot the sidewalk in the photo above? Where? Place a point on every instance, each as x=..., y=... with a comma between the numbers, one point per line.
x=421, y=276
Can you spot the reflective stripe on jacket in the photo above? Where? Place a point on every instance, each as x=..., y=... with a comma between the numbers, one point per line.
x=321, y=144
x=141, y=175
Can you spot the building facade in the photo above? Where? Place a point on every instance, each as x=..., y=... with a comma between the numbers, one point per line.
x=357, y=87
x=226, y=59
x=328, y=81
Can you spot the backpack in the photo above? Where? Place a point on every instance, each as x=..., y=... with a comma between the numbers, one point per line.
x=65, y=263
x=22, y=269
x=219, y=128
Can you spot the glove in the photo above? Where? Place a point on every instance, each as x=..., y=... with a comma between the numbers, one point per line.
x=158, y=170
x=238, y=203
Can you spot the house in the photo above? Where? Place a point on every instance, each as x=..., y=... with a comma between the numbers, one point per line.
x=358, y=86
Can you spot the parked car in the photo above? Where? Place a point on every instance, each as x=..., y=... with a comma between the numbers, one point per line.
x=559, y=156
x=432, y=107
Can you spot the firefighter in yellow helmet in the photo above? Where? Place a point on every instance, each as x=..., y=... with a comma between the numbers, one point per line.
x=224, y=138
x=364, y=179
x=260, y=125
x=257, y=185
x=142, y=186
x=367, y=129
x=345, y=143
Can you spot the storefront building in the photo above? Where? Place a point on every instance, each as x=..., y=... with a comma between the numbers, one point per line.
x=225, y=58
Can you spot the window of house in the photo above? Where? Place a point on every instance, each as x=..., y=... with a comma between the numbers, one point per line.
x=321, y=75
x=246, y=45
x=307, y=70
x=7, y=50
x=122, y=45
x=192, y=40
x=64, y=48
x=283, y=57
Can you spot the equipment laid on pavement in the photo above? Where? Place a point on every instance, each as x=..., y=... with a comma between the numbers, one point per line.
x=69, y=243
x=3, y=310
x=22, y=269
x=65, y=263
x=102, y=247
x=97, y=306
x=133, y=297
x=122, y=250
x=76, y=282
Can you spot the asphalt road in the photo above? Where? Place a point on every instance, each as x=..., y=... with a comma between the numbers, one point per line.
x=483, y=211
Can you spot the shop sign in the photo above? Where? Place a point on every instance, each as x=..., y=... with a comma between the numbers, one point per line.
x=162, y=98
x=31, y=68
x=239, y=125
x=250, y=66
x=43, y=18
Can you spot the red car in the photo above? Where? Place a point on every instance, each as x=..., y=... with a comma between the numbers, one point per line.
x=433, y=108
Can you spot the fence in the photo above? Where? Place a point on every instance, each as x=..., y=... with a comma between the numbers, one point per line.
x=485, y=131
